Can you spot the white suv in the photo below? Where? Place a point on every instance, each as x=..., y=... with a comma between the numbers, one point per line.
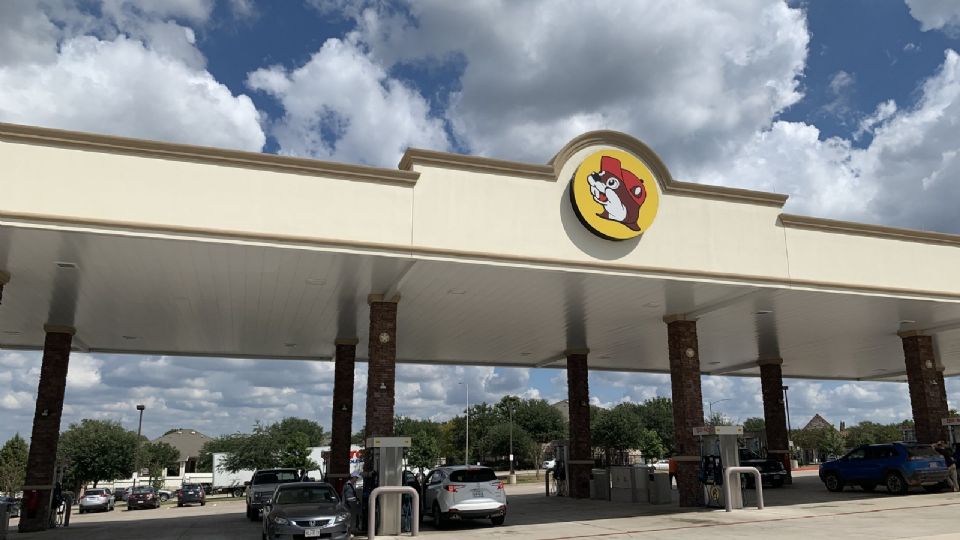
x=464, y=492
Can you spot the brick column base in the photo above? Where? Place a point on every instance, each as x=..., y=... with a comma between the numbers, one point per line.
x=926, y=388
x=684, y=354
x=381, y=371
x=774, y=413
x=42, y=460
x=338, y=469
x=580, y=460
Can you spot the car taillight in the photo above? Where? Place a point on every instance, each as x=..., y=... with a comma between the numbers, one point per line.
x=917, y=458
x=149, y=496
x=499, y=485
x=452, y=488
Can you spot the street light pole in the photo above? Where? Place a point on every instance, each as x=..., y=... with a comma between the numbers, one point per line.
x=513, y=474
x=136, y=455
x=466, y=449
x=710, y=404
x=786, y=403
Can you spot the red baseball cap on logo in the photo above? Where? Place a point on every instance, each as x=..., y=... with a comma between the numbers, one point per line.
x=634, y=185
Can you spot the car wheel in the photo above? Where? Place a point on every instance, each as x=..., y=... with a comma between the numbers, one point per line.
x=179, y=505
x=833, y=483
x=777, y=483
x=498, y=520
x=164, y=498
x=935, y=488
x=439, y=518
x=896, y=484
x=203, y=503
x=81, y=510
x=868, y=487
x=237, y=493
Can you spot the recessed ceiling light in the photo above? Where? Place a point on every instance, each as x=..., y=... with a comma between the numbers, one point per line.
x=66, y=265
x=525, y=354
x=316, y=281
x=908, y=321
x=12, y=332
x=604, y=357
x=128, y=338
x=763, y=312
x=713, y=363
x=651, y=305
x=290, y=345
x=456, y=291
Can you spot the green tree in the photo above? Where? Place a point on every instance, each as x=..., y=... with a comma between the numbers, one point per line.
x=539, y=419
x=826, y=441
x=657, y=414
x=97, y=450
x=13, y=464
x=156, y=457
x=424, y=450
x=754, y=424
x=619, y=429
x=258, y=450
x=717, y=419
x=223, y=443
x=287, y=428
x=496, y=444
x=867, y=432
x=295, y=452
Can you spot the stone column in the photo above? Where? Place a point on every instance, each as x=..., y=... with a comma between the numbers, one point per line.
x=774, y=413
x=927, y=396
x=382, y=367
x=338, y=469
x=42, y=460
x=580, y=460
x=684, y=354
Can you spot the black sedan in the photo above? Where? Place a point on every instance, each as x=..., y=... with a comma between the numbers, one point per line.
x=306, y=510
x=143, y=497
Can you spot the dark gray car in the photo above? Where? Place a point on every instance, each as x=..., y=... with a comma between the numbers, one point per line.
x=262, y=486
x=306, y=510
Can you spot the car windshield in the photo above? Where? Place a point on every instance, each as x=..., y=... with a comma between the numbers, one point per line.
x=306, y=495
x=143, y=489
x=921, y=451
x=275, y=477
x=191, y=486
x=95, y=492
x=747, y=454
x=473, y=475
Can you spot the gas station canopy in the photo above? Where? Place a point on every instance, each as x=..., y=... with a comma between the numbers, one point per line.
x=158, y=248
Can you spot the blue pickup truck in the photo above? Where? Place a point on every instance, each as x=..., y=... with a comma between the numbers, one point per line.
x=898, y=466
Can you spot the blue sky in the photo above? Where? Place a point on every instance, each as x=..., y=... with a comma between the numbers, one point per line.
x=837, y=104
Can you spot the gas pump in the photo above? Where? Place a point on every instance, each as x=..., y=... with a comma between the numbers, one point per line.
x=387, y=459
x=719, y=449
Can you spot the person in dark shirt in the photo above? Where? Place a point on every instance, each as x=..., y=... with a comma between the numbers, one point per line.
x=951, y=463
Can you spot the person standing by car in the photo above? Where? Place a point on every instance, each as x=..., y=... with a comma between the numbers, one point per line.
x=951, y=465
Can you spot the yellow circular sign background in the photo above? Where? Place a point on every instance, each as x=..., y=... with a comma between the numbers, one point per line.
x=587, y=208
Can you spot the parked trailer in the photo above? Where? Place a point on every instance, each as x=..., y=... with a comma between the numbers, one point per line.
x=225, y=481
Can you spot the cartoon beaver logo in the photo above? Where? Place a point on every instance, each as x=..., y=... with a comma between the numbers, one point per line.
x=619, y=191
x=614, y=194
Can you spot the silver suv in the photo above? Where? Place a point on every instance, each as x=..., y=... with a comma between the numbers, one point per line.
x=464, y=492
x=262, y=486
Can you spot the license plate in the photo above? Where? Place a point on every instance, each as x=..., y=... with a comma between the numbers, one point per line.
x=312, y=533
x=478, y=493
x=776, y=477
x=934, y=465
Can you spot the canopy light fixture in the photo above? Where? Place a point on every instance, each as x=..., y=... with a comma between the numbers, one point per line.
x=129, y=338
x=456, y=291
x=65, y=265
x=290, y=345
x=908, y=321
x=316, y=281
x=525, y=354
x=763, y=312
x=12, y=332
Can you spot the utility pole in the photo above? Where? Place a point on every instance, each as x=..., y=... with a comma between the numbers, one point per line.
x=136, y=455
x=513, y=474
x=466, y=450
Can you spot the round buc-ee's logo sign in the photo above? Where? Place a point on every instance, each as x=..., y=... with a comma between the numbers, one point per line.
x=615, y=195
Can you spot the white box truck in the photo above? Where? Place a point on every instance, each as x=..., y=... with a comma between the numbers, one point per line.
x=225, y=481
